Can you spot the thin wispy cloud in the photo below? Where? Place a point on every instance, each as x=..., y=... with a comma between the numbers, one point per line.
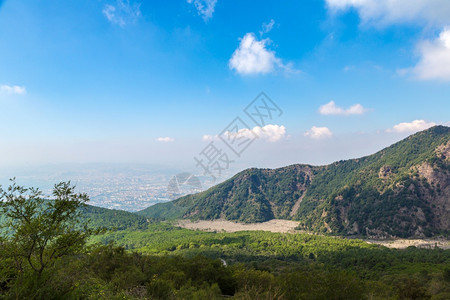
x=434, y=61
x=209, y=137
x=205, y=8
x=122, y=12
x=319, y=133
x=254, y=57
x=411, y=127
x=387, y=12
x=267, y=27
x=13, y=89
x=332, y=109
x=165, y=139
x=348, y=68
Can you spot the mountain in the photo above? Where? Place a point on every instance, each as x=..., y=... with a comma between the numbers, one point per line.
x=107, y=218
x=402, y=190
x=99, y=217
x=111, y=218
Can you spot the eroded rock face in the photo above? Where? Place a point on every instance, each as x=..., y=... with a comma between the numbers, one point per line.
x=385, y=172
x=439, y=180
x=425, y=204
x=435, y=186
x=427, y=171
x=443, y=151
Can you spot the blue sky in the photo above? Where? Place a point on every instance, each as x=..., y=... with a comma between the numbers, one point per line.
x=155, y=81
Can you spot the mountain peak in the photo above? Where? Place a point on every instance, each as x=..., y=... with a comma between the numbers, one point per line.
x=402, y=190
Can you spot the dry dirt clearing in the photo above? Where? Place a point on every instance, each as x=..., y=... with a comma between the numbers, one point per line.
x=404, y=243
x=228, y=226
x=288, y=226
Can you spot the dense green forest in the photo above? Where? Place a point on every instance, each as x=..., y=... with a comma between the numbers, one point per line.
x=98, y=217
x=51, y=250
x=111, y=218
x=401, y=191
x=368, y=260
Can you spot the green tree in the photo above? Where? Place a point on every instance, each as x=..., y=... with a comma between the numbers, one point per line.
x=39, y=233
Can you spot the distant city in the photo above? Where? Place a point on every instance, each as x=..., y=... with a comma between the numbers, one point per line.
x=125, y=187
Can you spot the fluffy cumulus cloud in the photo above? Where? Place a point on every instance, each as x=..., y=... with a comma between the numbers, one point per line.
x=165, y=139
x=13, y=89
x=122, y=12
x=253, y=57
x=269, y=133
x=411, y=127
x=205, y=8
x=332, y=109
x=434, y=60
x=318, y=133
x=385, y=12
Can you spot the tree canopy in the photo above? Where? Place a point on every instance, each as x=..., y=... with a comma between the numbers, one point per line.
x=38, y=233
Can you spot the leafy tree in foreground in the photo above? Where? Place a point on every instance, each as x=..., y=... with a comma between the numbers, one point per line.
x=38, y=234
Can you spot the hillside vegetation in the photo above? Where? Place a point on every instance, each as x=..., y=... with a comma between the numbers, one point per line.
x=50, y=251
x=265, y=265
x=111, y=218
x=402, y=190
x=99, y=217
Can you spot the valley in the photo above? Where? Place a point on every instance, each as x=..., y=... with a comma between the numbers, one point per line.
x=285, y=233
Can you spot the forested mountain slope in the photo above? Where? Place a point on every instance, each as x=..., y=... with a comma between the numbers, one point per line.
x=111, y=218
x=402, y=190
x=99, y=217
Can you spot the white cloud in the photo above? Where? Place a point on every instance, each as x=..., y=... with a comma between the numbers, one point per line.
x=165, y=139
x=266, y=27
x=123, y=12
x=331, y=109
x=205, y=8
x=348, y=68
x=253, y=57
x=385, y=12
x=269, y=133
x=208, y=137
x=414, y=126
x=434, y=60
x=13, y=89
x=319, y=133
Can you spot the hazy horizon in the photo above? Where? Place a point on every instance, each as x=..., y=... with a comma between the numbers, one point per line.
x=133, y=82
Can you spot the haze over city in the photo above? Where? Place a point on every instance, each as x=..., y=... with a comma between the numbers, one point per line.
x=145, y=83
